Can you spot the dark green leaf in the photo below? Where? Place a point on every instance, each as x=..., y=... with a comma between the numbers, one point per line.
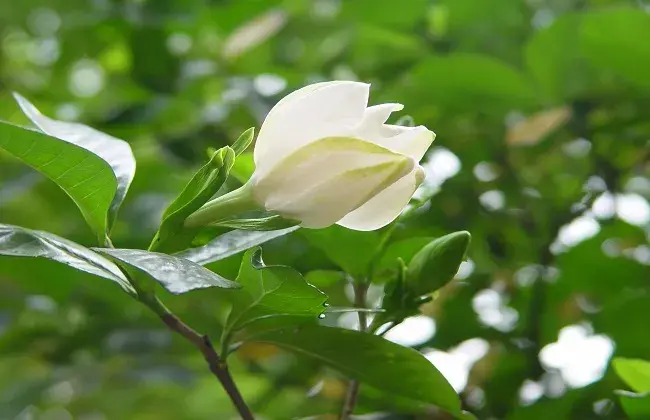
x=177, y=275
x=351, y=250
x=117, y=153
x=83, y=175
x=270, y=292
x=203, y=185
x=635, y=373
x=245, y=140
x=437, y=263
x=372, y=360
x=231, y=243
x=636, y=406
x=20, y=242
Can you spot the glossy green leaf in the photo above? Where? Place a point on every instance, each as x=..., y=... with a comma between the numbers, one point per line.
x=117, y=153
x=271, y=292
x=636, y=406
x=83, y=175
x=351, y=250
x=203, y=185
x=437, y=263
x=21, y=242
x=635, y=373
x=231, y=243
x=372, y=360
x=175, y=274
x=244, y=140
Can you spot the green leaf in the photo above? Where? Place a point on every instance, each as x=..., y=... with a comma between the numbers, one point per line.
x=623, y=47
x=452, y=80
x=84, y=176
x=351, y=250
x=21, y=242
x=554, y=61
x=231, y=243
x=372, y=360
x=203, y=185
x=268, y=223
x=244, y=167
x=245, y=140
x=324, y=278
x=270, y=292
x=177, y=275
x=636, y=406
x=117, y=153
x=437, y=263
x=635, y=373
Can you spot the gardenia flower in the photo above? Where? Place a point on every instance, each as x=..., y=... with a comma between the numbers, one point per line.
x=324, y=157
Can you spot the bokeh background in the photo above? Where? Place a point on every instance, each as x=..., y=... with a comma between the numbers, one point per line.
x=542, y=110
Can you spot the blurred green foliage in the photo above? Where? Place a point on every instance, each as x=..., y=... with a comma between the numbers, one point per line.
x=542, y=111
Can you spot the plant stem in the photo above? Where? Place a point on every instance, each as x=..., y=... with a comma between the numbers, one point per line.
x=221, y=208
x=202, y=342
x=352, y=395
x=217, y=366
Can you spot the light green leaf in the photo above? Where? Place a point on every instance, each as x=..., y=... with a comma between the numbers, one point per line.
x=636, y=406
x=83, y=175
x=177, y=275
x=452, y=80
x=269, y=223
x=635, y=373
x=351, y=250
x=231, y=243
x=203, y=185
x=244, y=140
x=117, y=153
x=372, y=360
x=623, y=47
x=21, y=242
x=553, y=59
x=244, y=167
x=271, y=292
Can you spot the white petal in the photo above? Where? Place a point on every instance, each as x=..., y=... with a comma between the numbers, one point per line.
x=411, y=141
x=308, y=114
x=322, y=182
x=377, y=115
x=385, y=206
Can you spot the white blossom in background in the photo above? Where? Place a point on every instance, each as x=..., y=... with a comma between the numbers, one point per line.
x=580, y=357
x=456, y=363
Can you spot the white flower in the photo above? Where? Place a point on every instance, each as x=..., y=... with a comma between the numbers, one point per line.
x=323, y=157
